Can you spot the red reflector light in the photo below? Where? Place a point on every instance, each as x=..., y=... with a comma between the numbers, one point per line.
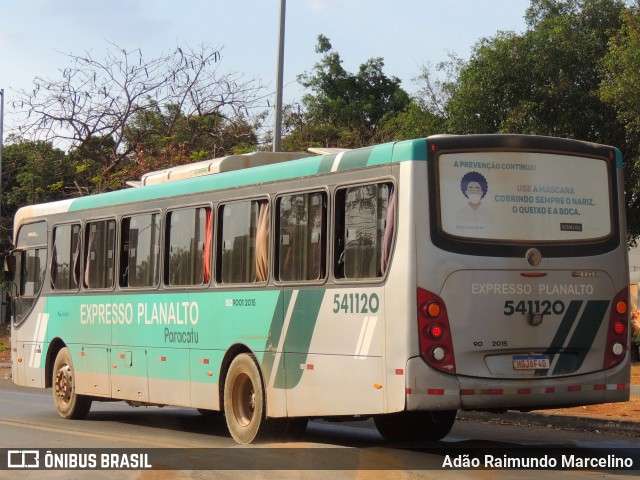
x=435, y=331
x=618, y=328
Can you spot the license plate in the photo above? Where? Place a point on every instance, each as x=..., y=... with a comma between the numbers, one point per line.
x=530, y=362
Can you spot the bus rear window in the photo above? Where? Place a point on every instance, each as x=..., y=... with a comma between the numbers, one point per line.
x=524, y=196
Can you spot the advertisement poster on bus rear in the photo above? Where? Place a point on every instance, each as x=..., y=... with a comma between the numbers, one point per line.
x=517, y=196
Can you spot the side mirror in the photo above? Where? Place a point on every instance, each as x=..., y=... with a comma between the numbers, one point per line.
x=9, y=270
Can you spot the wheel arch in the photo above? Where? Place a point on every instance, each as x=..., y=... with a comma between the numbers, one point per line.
x=55, y=346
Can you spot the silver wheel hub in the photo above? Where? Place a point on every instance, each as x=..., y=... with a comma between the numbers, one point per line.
x=64, y=384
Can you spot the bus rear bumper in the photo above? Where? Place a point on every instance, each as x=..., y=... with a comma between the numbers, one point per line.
x=430, y=390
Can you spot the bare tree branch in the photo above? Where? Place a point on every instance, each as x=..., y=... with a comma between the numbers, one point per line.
x=97, y=99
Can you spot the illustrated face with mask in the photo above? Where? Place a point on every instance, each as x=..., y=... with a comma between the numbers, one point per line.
x=474, y=193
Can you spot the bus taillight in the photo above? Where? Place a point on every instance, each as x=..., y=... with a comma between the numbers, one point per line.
x=617, y=334
x=436, y=331
x=436, y=345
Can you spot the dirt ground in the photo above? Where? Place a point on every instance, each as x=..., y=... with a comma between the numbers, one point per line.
x=623, y=411
x=629, y=411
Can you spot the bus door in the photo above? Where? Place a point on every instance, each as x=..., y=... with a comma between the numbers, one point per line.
x=28, y=262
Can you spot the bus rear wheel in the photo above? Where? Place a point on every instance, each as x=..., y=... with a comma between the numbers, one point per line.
x=401, y=426
x=68, y=403
x=244, y=405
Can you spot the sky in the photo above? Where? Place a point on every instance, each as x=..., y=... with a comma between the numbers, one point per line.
x=35, y=35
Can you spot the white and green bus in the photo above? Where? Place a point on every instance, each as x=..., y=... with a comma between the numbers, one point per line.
x=403, y=282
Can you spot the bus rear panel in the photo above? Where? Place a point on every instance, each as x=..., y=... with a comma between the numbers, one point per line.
x=521, y=278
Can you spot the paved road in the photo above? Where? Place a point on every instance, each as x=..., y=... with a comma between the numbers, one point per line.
x=348, y=450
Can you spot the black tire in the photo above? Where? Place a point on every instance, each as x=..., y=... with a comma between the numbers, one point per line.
x=68, y=403
x=244, y=402
x=406, y=426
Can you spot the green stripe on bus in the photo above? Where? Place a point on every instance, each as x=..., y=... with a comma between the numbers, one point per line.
x=410, y=150
x=269, y=173
x=619, y=161
x=326, y=163
x=298, y=336
x=562, y=333
x=355, y=158
x=273, y=339
x=581, y=342
x=304, y=167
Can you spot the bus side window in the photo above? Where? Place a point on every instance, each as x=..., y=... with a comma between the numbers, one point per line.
x=188, y=246
x=243, y=242
x=65, y=257
x=140, y=251
x=302, y=236
x=364, y=231
x=99, y=259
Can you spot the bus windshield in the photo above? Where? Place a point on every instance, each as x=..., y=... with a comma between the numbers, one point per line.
x=524, y=196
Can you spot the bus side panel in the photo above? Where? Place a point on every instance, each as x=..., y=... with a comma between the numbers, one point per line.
x=129, y=373
x=205, y=368
x=333, y=351
x=169, y=376
x=334, y=385
x=92, y=369
x=87, y=335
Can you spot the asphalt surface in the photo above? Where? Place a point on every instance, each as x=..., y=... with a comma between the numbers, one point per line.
x=623, y=427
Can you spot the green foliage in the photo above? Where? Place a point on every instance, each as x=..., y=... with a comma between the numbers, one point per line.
x=544, y=81
x=165, y=137
x=347, y=107
x=620, y=70
x=32, y=172
x=415, y=121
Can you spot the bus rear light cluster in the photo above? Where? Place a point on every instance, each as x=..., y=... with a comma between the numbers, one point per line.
x=436, y=345
x=618, y=331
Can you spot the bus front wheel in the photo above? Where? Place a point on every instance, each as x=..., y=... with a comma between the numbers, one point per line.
x=401, y=426
x=244, y=399
x=68, y=403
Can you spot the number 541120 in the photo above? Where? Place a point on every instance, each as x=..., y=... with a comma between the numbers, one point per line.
x=355, y=303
